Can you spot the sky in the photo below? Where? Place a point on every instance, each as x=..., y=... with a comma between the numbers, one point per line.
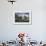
x=22, y=14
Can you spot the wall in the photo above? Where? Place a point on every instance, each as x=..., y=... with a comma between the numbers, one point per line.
x=37, y=30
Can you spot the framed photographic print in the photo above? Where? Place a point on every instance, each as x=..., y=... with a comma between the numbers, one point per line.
x=22, y=17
